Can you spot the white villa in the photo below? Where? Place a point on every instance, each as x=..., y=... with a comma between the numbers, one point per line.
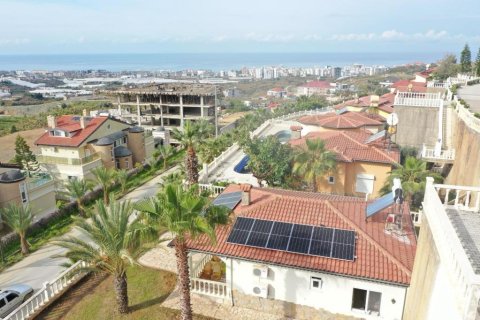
x=307, y=255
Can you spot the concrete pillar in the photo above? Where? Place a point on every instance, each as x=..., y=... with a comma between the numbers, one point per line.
x=161, y=110
x=138, y=111
x=119, y=106
x=181, y=112
x=201, y=106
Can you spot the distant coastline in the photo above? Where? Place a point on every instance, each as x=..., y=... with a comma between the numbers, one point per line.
x=204, y=61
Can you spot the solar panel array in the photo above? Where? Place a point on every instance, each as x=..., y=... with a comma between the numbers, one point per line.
x=297, y=238
x=229, y=200
x=379, y=204
x=375, y=136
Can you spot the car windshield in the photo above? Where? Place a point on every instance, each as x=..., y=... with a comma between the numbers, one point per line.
x=11, y=296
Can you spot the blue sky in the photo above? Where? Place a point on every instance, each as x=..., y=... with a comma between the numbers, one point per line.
x=144, y=26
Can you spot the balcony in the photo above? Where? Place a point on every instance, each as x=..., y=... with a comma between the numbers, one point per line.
x=208, y=277
x=38, y=180
x=418, y=99
x=68, y=161
x=432, y=155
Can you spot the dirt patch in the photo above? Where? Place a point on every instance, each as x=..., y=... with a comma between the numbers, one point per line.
x=229, y=118
x=7, y=143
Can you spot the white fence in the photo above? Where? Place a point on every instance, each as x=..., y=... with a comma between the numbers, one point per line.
x=214, y=190
x=439, y=85
x=207, y=287
x=49, y=292
x=444, y=155
x=210, y=167
x=418, y=99
x=466, y=198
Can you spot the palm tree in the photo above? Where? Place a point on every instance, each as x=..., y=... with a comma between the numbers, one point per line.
x=19, y=218
x=114, y=244
x=209, y=149
x=188, y=138
x=105, y=178
x=122, y=177
x=413, y=175
x=164, y=152
x=77, y=189
x=186, y=215
x=313, y=161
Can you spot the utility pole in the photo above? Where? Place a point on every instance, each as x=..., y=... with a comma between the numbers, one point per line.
x=216, y=116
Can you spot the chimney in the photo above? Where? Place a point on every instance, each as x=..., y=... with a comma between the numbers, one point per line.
x=51, y=122
x=83, y=122
x=84, y=112
x=296, y=132
x=245, y=187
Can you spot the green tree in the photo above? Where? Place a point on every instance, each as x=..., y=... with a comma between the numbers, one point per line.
x=114, y=244
x=313, y=161
x=270, y=160
x=413, y=176
x=24, y=157
x=164, y=152
x=466, y=59
x=13, y=129
x=105, y=178
x=19, y=218
x=186, y=215
x=477, y=64
x=209, y=149
x=122, y=177
x=447, y=67
x=77, y=189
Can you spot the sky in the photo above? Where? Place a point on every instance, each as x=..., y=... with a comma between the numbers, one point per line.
x=158, y=26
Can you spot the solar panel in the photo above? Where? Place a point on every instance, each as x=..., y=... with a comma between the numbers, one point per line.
x=342, y=111
x=229, y=200
x=297, y=238
x=375, y=136
x=379, y=204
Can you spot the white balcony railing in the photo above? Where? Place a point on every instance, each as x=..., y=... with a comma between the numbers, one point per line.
x=442, y=155
x=214, y=190
x=438, y=85
x=464, y=198
x=418, y=99
x=47, y=294
x=210, y=288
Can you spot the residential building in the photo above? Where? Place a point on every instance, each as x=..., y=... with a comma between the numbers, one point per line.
x=36, y=190
x=363, y=161
x=382, y=105
x=344, y=120
x=168, y=105
x=314, y=88
x=446, y=273
x=74, y=145
x=307, y=255
x=277, y=92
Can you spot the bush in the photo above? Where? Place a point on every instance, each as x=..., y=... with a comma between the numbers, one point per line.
x=477, y=115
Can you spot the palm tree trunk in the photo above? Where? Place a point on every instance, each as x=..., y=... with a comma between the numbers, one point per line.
x=192, y=166
x=121, y=292
x=105, y=195
x=24, y=244
x=314, y=183
x=165, y=163
x=183, y=279
x=81, y=212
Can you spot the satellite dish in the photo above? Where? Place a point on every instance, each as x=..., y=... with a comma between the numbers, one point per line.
x=392, y=119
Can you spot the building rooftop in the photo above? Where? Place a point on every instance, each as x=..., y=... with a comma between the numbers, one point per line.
x=385, y=102
x=379, y=255
x=350, y=146
x=347, y=120
x=122, y=151
x=11, y=175
x=168, y=89
x=317, y=84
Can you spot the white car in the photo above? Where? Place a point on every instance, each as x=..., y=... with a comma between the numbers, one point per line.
x=12, y=297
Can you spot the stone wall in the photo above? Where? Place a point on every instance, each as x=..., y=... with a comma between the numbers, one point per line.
x=416, y=126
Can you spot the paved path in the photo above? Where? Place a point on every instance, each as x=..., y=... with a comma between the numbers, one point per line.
x=40, y=266
x=471, y=94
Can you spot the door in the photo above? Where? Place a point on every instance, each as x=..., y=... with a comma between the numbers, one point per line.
x=3, y=308
x=13, y=301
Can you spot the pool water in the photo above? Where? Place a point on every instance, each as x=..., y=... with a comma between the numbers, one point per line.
x=284, y=136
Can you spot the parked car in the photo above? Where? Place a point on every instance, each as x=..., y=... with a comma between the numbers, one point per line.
x=13, y=296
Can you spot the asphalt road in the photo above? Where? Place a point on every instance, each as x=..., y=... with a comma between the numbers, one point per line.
x=40, y=266
x=471, y=94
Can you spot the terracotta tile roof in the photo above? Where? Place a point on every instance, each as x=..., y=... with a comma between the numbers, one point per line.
x=317, y=84
x=347, y=120
x=385, y=103
x=379, y=255
x=350, y=146
x=277, y=89
x=71, y=123
x=404, y=85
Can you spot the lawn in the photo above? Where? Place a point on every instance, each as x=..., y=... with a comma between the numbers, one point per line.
x=95, y=298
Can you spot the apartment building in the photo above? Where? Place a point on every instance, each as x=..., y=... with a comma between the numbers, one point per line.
x=36, y=190
x=166, y=105
x=74, y=145
x=314, y=88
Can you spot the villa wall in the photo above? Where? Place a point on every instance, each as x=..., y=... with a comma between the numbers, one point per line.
x=416, y=126
x=293, y=286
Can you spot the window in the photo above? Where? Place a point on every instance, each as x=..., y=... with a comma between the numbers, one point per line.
x=23, y=192
x=315, y=283
x=117, y=164
x=127, y=166
x=364, y=183
x=55, y=149
x=331, y=180
x=368, y=301
x=11, y=296
x=2, y=303
x=124, y=139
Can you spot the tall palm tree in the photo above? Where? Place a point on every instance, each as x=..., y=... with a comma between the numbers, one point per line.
x=19, y=218
x=122, y=177
x=164, y=152
x=189, y=138
x=313, y=161
x=186, y=215
x=114, y=244
x=209, y=149
x=413, y=175
x=105, y=178
x=77, y=189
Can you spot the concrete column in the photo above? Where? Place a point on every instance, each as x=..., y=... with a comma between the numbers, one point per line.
x=138, y=111
x=119, y=106
x=181, y=112
x=161, y=111
x=201, y=106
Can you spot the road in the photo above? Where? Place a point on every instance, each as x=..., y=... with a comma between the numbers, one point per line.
x=40, y=266
x=471, y=94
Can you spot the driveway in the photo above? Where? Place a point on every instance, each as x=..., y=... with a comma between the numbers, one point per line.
x=471, y=94
x=40, y=266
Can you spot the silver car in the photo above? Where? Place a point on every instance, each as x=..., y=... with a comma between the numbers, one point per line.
x=12, y=297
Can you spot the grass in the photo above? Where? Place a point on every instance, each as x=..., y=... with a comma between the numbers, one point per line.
x=95, y=298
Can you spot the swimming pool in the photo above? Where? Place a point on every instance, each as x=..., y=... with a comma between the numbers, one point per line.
x=240, y=166
x=283, y=136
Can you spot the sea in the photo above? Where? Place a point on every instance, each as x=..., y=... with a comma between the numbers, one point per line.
x=206, y=61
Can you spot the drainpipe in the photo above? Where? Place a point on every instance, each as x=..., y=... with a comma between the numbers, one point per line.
x=231, y=281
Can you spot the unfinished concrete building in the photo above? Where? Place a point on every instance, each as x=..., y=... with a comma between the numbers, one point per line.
x=166, y=105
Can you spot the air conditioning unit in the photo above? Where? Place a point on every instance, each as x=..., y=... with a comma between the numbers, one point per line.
x=260, y=271
x=260, y=290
